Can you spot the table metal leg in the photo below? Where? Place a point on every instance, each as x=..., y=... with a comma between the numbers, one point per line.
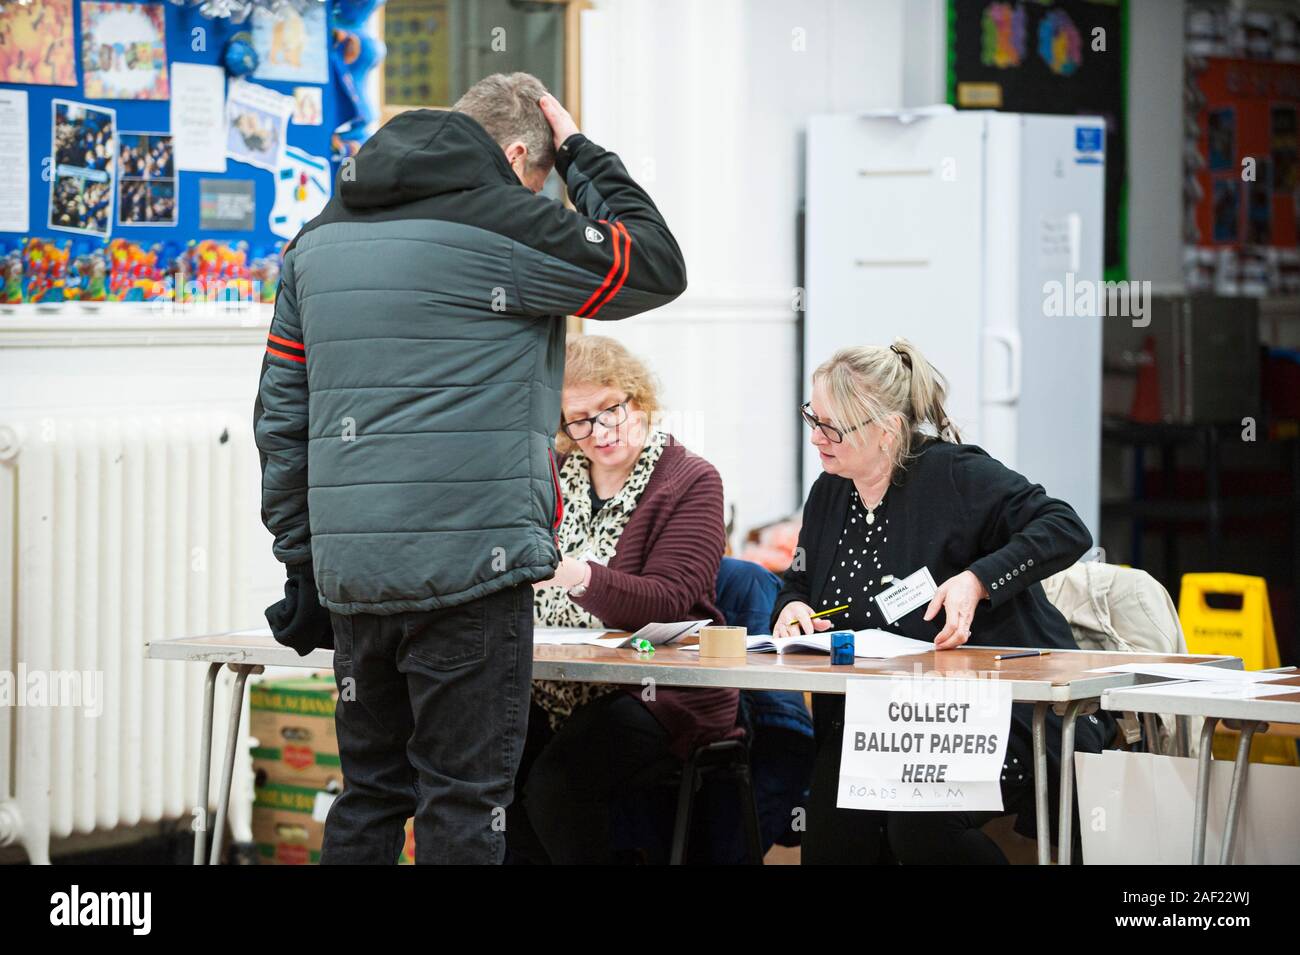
x=1182, y=736
x=1043, y=820
x=1248, y=728
x=1202, y=790
x=201, y=819
x=1151, y=727
x=232, y=750
x=1066, y=822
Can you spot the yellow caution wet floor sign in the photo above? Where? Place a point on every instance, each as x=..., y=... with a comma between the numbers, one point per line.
x=1229, y=614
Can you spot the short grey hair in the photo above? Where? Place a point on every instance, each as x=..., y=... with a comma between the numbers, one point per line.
x=506, y=106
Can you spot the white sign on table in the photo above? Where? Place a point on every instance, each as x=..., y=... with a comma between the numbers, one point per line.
x=925, y=743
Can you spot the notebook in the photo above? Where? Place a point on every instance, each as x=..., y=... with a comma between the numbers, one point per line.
x=867, y=644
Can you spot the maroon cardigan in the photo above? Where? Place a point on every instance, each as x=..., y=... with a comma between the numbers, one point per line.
x=665, y=569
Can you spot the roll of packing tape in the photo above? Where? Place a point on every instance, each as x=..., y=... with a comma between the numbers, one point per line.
x=722, y=641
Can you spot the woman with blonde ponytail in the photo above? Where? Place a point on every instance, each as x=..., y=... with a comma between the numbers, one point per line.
x=900, y=494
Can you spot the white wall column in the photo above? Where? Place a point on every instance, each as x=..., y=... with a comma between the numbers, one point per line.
x=707, y=104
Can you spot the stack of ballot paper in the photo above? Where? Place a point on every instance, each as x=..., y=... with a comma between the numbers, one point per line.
x=867, y=644
x=657, y=634
x=1197, y=671
x=565, y=636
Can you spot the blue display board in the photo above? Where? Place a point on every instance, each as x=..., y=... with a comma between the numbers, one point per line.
x=154, y=116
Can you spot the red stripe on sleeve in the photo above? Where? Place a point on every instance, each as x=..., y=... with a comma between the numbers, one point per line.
x=627, y=261
x=613, y=269
x=280, y=354
x=286, y=342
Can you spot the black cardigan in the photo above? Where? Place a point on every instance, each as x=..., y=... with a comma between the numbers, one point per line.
x=960, y=510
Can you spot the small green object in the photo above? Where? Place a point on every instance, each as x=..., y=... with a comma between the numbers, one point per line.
x=642, y=645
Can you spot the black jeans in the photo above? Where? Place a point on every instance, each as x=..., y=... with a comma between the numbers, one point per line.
x=431, y=718
x=568, y=779
x=864, y=837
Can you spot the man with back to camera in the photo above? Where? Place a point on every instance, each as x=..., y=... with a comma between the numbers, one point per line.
x=409, y=400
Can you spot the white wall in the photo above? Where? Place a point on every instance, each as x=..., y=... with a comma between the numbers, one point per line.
x=1155, y=143
x=707, y=105
x=124, y=358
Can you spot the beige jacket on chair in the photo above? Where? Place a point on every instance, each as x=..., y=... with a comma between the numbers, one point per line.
x=1120, y=608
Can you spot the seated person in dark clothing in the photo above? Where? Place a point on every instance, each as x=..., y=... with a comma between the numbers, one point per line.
x=624, y=485
x=900, y=492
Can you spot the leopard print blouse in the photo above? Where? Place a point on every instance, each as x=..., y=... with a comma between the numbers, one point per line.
x=596, y=536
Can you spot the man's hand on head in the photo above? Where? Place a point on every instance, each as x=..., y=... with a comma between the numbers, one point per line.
x=562, y=124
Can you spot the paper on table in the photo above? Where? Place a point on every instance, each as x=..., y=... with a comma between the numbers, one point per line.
x=563, y=636
x=657, y=633
x=1195, y=671
x=883, y=645
x=867, y=644
x=758, y=643
x=1221, y=691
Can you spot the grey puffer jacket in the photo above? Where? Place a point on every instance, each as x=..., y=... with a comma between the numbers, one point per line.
x=410, y=392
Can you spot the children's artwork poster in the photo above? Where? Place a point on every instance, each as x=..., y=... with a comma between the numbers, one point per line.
x=302, y=187
x=123, y=50
x=146, y=179
x=227, y=205
x=256, y=118
x=291, y=45
x=85, y=150
x=1064, y=57
x=1243, y=171
x=36, y=44
x=307, y=110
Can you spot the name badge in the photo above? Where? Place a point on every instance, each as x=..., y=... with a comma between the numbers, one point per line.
x=905, y=596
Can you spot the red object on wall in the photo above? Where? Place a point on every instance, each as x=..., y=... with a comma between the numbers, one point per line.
x=1250, y=111
x=1146, y=395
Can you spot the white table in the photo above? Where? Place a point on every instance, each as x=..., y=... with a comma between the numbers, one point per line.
x=1247, y=714
x=1064, y=681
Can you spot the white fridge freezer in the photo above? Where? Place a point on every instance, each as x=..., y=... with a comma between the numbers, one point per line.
x=947, y=228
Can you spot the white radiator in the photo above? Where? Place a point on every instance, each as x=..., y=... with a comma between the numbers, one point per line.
x=114, y=531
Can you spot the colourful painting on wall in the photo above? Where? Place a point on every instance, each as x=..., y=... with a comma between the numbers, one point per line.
x=1064, y=57
x=36, y=44
x=124, y=50
x=291, y=45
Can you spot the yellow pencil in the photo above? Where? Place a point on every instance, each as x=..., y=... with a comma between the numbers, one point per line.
x=822, y=613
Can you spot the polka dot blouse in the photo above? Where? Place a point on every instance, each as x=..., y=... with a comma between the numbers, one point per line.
x=863, y=567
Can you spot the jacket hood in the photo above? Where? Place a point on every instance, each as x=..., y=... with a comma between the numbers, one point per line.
x=422, y=153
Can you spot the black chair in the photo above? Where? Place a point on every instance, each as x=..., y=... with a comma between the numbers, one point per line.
x=724, y=760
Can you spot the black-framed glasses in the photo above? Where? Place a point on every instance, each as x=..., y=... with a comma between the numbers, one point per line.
x=580, y=428
x=833, y=434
